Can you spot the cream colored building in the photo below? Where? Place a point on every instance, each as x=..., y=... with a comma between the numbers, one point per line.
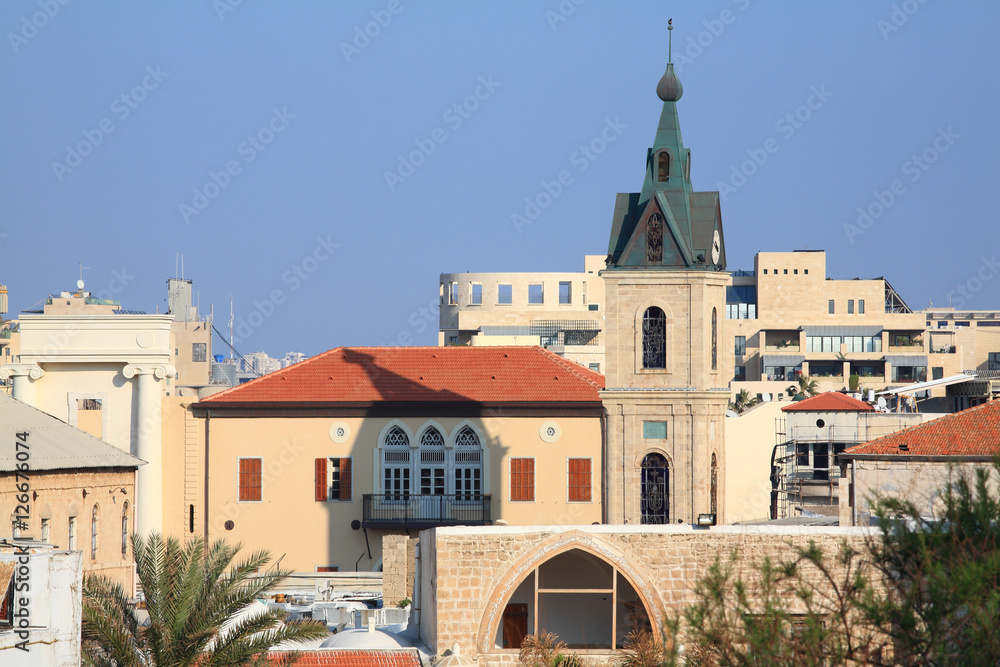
x=317, y=461
x=564, y=312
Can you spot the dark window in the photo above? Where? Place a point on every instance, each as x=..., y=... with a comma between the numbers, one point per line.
x=741, y=346
x=522, y=479
x=937, y=372
x=831, y=307
x=654, y=499
x=663, y=167
x=850, y=306
x=199, y=352
x=565, y=292
x=861, y=306
x=249, y=486
x=715, y=486
x=654, y=238
x=654, y=338
x=579, y=480
x=715, y=340
x=741, y=374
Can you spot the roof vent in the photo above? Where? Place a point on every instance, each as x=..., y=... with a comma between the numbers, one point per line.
x=493, y=377
x=904, y=448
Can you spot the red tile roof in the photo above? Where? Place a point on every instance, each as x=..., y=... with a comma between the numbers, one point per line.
x=831, y=401
x=365, y=375
x=972, y=432
x=352, y=658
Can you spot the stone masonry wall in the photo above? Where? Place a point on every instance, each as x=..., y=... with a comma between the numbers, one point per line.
x=478, y=569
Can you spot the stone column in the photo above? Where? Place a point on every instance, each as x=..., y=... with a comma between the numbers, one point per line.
x=147, y=429
x=24, y=376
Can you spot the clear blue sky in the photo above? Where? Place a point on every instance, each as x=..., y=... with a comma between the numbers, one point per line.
x=309, y=116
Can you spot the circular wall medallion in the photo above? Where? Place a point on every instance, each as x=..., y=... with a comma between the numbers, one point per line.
x=144, y=339
x=340, y=432
x=230, y=525
x=550, y=431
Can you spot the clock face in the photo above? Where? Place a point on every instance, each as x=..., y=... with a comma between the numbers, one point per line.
x=716, y=247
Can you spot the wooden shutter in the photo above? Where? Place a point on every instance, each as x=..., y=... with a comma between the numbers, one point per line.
x=321, y=488
x=250, y=479
x=522, y=479
x=579, y=480
x=345, y=479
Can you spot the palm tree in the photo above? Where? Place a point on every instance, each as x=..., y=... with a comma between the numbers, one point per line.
x=193, y=597
x=742, y=402
x=807, y=386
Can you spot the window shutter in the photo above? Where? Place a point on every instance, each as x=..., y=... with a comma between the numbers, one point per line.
x=321, y=489
x=345, y=479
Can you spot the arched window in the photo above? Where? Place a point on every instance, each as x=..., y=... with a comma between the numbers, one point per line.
x=654, y=338
x=654, y=500
x=396, y=463
x=432, y=463
x=468, y=465
x=586, y=601
x=715, y=340
x=93, y=533
x=663, y=167
x=715, y=487
x=125, y=530
x=654, y=238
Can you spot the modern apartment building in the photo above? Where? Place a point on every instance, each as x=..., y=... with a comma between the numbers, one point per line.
x=563, y=312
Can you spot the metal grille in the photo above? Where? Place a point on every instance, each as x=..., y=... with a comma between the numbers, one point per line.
x=654, y=339
x=397, y=438
x=431, y=457
x=396, y=457
x=468, y=457
x=432, y=438
x=655, y=488
x=467, y=438
x=654, y=238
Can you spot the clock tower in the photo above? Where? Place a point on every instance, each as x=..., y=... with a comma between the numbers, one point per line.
x=667, y=381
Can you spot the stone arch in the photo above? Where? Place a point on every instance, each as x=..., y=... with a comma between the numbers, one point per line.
x=634, y=573
x=426, y=426
x=484, y=450
x=377, y=469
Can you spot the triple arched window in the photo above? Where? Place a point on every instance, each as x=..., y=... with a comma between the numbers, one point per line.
x=434, y=465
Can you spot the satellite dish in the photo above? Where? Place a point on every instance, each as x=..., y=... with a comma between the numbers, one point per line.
x=79, y=284
x=765, y=397
x=881, y=401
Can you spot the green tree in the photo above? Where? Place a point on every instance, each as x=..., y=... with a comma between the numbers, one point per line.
x=742, y=402
x=193, y=596
x=546, y=650
x=807, y=386
x=942, y=574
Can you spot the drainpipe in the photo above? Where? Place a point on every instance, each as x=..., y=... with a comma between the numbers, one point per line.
x=604, y=465
x=415, y=603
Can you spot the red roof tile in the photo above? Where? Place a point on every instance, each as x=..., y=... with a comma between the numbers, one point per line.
x=353, y=658
x=364, y=375
x=831, y=401
x=972, y=432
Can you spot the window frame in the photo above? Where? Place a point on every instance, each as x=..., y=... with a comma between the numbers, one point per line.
x=472, y=294
x=831, y=307
x=204, y=353
x=740, y=344
x=345, y=479
x=585, y=489
x=517, y=493
x=568, y=284
x=510, y=294
x=240, y=479
x=541, y=294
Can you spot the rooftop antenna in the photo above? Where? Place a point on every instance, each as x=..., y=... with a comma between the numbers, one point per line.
x=670, y=40
x=230, y=326
x=79, y=283
x=177, y=259
x=182, y=267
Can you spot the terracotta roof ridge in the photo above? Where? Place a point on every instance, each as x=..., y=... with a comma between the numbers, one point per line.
x=568, y=365
x=271, y=375
x=940, y=422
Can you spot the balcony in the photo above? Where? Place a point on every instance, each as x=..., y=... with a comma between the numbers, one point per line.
x=419, y=512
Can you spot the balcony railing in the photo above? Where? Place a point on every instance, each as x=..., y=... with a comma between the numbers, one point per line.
x=392, y=510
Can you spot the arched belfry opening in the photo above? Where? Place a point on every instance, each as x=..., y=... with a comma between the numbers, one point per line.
x=654, y=338
x=654, y=489
x=581, y=597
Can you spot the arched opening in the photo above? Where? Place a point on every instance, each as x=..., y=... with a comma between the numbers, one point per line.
x=396, y=464
x=715, y=340
x=582, y=598
x=655, y=489
x=432, y=463
x=93, y=533
x=663, y=167
x=654, y=338
x=654, y=238
x=715, y=487
x=468, y=454
x=125, y=530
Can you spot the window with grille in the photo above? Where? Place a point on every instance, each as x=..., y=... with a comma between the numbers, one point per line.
x=250, y=480
x=579, y=480
x=93, y=532
x=654, y=339
x=522, y=479
x=199, y=352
